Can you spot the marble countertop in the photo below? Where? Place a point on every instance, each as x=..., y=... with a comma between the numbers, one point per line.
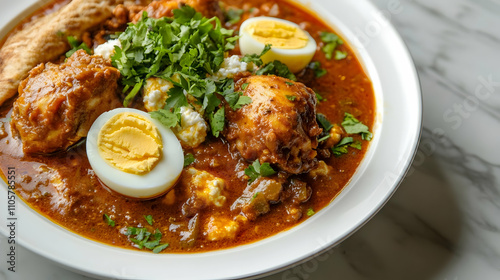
x=444, y=221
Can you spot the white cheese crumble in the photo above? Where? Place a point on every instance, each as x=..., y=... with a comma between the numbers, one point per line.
x=207, y=187
x=193, y=128
x=230, y=67
x=155, y=93
x=221, y=228
x=107, y=49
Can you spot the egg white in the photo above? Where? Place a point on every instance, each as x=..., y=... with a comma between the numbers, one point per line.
x=295, y=59
x=152, y=184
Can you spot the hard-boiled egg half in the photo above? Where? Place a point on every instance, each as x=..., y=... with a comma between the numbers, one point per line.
x=133, y=154
x=290, y=44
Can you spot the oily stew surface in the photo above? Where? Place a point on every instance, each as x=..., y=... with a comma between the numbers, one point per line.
x=63, y=187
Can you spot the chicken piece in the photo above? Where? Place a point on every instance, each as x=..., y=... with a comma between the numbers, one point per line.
x=57, y=104
x=45, y=40
x=278, y=127
x=163, y=8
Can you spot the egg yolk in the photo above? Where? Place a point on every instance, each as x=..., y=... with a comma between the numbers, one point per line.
x=278, y=34
x=130, y=143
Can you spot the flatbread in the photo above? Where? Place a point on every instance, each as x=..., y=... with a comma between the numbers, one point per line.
x=45, y=40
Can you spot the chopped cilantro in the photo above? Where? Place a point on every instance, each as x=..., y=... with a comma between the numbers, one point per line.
x=276, y=68
x=256, y=58
x=310, y=212
x=166, y=117
x=331, y=41
x=340, y=55
x=76, y=45
x=160, y=248
x=319, y=97
x=244, y=86
x=145, y=239
x=324, y=138
x=341, y=147
x=149, y=219
x=242, y=100
x=217, y=121
x=291, y=97
x=316, y=67
x=255, y=195
x=108, y=220
x=188, y=159
x=232, y=15
x=324, y=122
x=289, y=83
x=188, y=47
x=353, y=126
x=256, y=170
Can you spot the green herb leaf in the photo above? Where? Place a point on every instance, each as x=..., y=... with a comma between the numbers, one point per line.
x=244, y=86
x=291, y=97
x=76, y=45
x=149, y=219
x=319, y=97
x=256, y=58
x=354, y=126
x=340, y=55
x=276, y=68
x=341, y=147
x=289, y=83
x=160, y=248
x=256, y=170
x=108, y=220
x=331, y=41
x=233, y=16
x=188, y=159
x=324, y=138
x=242, y=100
x=324, y=122
x=145, y=239
x=310, y=212
x=316, y=67
x=217, y=122
x=166, y=117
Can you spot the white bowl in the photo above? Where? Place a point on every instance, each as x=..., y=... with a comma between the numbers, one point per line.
x=387, y=62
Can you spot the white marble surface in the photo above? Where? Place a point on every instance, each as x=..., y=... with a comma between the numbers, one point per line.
x=444, y=221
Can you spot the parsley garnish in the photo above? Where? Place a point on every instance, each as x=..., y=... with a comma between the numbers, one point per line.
x=108, y=220
x=353, y=126
x=256, y=170
x=188, y=159
x=310, y=212
x=331, y=41
x=76, y=45
x=316, y=67
x=276, y=68
x=149, y=219
x=291, y=97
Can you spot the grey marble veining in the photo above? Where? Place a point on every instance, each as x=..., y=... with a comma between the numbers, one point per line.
x=444, y=221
